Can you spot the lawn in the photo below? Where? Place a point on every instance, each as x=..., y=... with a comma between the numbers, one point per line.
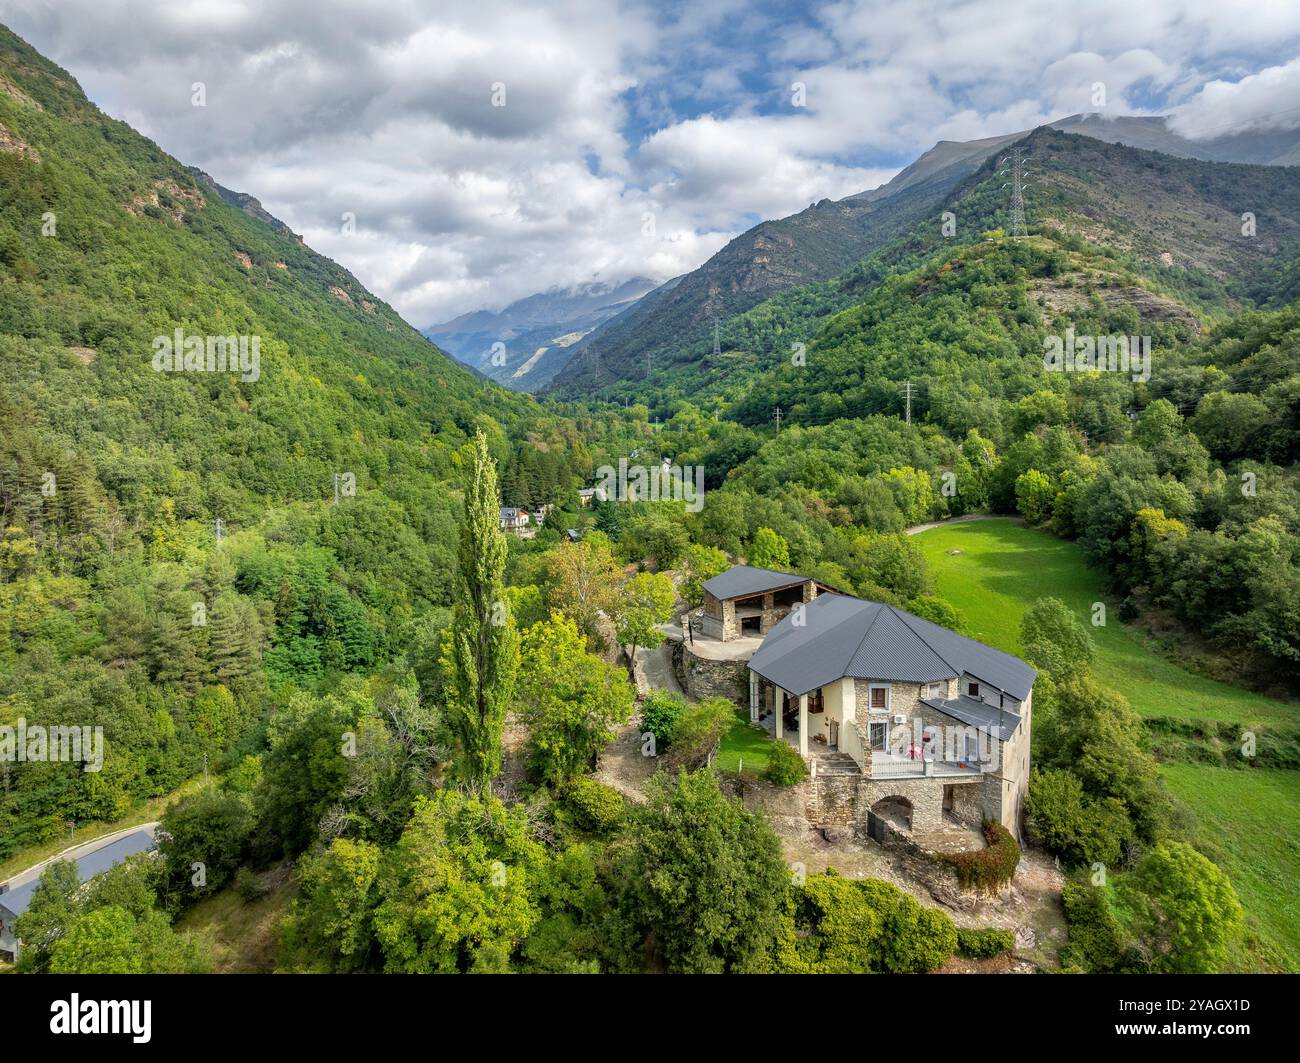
x=1250, y=817
x=1247, y=817
x=744, y=748
x=1004, y=566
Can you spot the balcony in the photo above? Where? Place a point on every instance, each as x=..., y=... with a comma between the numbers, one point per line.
x=889, y=766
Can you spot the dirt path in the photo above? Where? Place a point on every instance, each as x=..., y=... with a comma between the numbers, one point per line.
x=965, y=518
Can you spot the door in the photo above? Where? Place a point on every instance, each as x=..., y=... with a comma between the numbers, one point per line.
x=834, y=740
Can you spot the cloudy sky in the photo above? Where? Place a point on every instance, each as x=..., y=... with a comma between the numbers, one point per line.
x=489, y=151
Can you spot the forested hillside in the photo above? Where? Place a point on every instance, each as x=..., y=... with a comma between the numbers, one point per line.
x=118, y=607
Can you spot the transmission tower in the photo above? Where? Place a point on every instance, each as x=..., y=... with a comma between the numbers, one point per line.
x=717, y=338
x=1014, y=167
x=907, y=394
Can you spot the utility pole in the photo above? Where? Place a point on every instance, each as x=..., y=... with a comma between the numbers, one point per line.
x=778, y=418
x=907, y=394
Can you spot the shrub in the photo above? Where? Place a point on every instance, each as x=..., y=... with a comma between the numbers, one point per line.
x=986, y=870
x=659, y=715
x=784, y=765
x=982, y=944
x=1082, y=829
x=595, y=807
x=248, y=886
x=845, y=926
x=1096, y=939
x=698, y=730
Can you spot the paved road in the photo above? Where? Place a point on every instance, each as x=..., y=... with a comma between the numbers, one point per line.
x=78, y=851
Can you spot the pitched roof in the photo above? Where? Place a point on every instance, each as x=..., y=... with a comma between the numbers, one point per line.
x=840, y=636
x=741, y=580
x=17, y=899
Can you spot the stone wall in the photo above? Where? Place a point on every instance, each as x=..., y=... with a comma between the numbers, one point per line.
x=702, y=678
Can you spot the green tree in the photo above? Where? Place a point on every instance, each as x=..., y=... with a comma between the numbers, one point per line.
x=1034, y=495
x=703, y=879
x=571, y=699
x=457, y=881
x=111, y=940
x=1185, y=910
x=330, y=926
x=769, y=550
x=1054, y=639
x=645, y=603
x=481, y=649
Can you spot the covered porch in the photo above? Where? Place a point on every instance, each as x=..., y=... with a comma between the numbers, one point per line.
x=819, y=724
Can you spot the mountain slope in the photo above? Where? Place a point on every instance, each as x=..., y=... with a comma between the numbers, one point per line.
x=536, y=334
x=1175, y=222
x=828, y=238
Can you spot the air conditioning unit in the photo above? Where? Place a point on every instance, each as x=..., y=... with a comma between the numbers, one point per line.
x=900, y=718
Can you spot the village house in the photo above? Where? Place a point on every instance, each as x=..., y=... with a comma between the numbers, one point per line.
x=930, y=727
x=515, y=521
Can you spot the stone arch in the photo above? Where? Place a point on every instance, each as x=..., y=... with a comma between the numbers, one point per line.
x=892, y=813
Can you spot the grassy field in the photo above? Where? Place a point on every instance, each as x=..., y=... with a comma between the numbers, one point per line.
x=1248, y=817
x=1003, y=567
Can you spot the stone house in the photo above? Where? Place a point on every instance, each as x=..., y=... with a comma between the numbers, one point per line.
x=745, y=601
x=899, y=717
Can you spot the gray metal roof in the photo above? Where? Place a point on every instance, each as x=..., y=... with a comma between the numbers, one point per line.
x=741, y=580
x=17, y=899
x=840, y=636
x=1000, y=722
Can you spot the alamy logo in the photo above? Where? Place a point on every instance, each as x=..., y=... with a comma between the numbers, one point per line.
x=134, y=1017
x=1097, y=354
x=661, y=483
x=38, y=744
x=180, y=353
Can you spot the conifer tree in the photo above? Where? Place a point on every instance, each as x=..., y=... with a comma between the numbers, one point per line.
x=481, y=648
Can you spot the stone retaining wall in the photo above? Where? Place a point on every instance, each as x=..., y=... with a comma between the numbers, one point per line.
x=702, y=678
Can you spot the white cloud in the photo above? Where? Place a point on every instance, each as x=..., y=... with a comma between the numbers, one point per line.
x=616, y=109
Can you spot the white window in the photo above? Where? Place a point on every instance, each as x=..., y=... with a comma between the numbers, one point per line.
x=879, y=699
x=878, y=732
x=934, y=691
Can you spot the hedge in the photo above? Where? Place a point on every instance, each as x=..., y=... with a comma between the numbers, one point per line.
x=984, y=944
x=988, y=869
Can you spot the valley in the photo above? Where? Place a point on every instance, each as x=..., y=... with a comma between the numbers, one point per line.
x=413, y=684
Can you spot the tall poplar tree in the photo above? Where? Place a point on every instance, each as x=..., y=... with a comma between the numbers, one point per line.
x=481, y=648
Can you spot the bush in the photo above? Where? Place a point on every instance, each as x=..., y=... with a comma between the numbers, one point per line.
x=595, y=807
x=1082, y=829
x=1096, y=939
x=984, y=944
x=845, y=926
x=248, y=886
x=698, y=730
x=784, y=765
x=659, y=715
x=986, y=870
